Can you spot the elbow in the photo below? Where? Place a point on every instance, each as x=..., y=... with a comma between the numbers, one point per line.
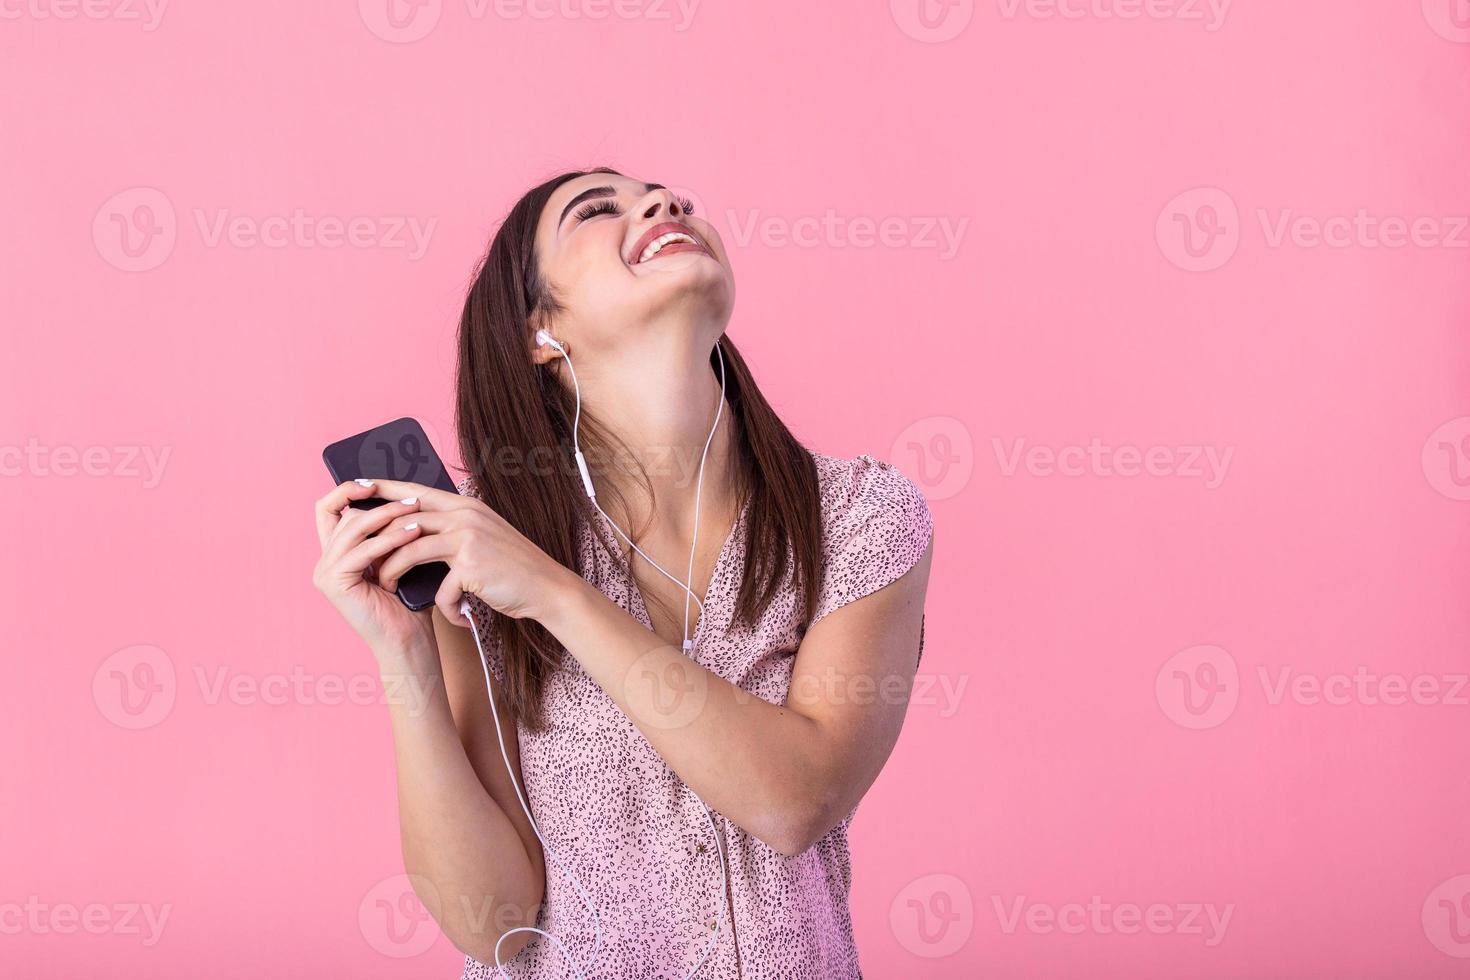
x=797, y=826
x=477, y=921
x=791, y=844
x=482, y=947
x=479, y=935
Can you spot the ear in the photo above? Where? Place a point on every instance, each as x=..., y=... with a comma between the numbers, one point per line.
x=544, y=353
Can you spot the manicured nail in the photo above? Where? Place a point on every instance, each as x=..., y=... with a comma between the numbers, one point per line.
x=363, y=483
x=410, y=527
x=409, y=500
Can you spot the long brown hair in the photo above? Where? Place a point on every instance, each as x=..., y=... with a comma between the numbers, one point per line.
x=511, y=411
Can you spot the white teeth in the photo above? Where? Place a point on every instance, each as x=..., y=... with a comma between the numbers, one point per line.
x=656, y=246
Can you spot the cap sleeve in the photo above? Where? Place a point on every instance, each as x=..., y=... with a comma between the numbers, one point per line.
x=481, y=613
x=877, y=526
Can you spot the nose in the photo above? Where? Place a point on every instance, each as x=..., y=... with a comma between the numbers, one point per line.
x=658, y=201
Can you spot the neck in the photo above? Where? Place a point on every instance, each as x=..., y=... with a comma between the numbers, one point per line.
x=662, y=404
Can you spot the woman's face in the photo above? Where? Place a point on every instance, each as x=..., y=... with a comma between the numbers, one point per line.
x=598, y=245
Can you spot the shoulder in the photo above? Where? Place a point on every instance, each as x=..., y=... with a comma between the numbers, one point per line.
x=866, y=490
x=876, y=525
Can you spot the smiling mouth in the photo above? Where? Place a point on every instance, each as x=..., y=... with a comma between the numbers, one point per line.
x=669, y=244
x=666, y=239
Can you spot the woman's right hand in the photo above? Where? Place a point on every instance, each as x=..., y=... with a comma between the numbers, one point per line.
x=353, y=542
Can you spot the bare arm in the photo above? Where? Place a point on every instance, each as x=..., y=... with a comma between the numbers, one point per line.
x=467, y=846
x=462, y=827
x=786, y=774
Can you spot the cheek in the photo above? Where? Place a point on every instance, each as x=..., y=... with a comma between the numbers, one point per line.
x=599, y=253
x=710, y=235
x=590, y=265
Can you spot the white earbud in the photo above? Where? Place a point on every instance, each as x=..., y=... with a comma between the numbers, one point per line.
x=545, y=339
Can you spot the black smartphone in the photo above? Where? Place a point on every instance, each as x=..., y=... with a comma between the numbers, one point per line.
x=397, y=450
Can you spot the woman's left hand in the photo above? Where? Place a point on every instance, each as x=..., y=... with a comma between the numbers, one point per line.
x=486, y=556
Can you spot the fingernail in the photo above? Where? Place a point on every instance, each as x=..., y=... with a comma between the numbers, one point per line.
x=409, y=500
x=363, y=483
x=410, y=527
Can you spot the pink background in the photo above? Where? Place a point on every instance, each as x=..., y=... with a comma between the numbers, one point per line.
x=1117, y=642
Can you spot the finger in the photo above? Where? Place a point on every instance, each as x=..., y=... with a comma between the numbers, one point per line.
x=448, y=598
x=427, y=548
x=430, y=498
x=329, y=508
x=356, y=527
x=356, y=561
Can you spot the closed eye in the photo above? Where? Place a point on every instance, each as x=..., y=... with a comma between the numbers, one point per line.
x=593, y=208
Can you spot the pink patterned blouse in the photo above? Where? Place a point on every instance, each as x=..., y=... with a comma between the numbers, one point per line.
x=638, y=838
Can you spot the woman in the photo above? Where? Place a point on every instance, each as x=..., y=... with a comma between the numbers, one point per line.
x=776, y=705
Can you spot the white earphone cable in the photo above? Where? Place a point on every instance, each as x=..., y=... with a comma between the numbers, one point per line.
x=698, y=489
x=465, y=610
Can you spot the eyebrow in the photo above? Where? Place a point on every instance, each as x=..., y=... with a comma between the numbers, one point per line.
x=598, y=192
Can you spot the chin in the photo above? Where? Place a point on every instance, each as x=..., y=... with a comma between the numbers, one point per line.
x=703, y=284
x=696, y=298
